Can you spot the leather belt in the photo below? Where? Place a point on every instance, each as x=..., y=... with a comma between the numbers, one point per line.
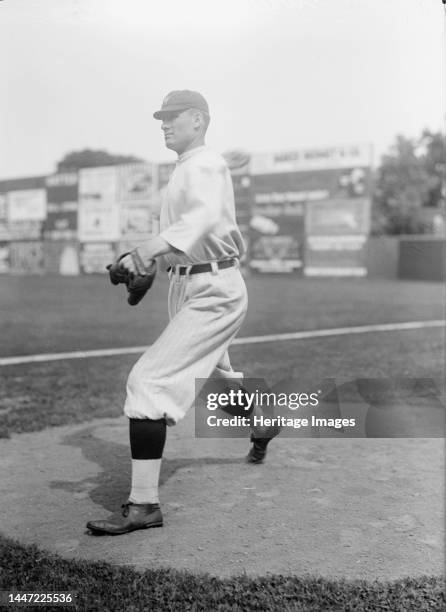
x=205, y=267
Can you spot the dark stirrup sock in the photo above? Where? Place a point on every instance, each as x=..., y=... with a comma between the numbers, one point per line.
x=147, y=438
x=241, y=408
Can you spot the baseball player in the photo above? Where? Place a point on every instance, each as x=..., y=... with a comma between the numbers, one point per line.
x=201, y=243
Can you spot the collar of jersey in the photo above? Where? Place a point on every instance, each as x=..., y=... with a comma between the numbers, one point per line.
x=189, y=153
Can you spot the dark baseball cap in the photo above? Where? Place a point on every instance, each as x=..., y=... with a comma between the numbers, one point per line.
x=181, y=100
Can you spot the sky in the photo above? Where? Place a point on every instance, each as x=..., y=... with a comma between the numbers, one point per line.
x=277, y=74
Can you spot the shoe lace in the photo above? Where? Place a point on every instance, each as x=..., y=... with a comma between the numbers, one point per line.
x=125, y=507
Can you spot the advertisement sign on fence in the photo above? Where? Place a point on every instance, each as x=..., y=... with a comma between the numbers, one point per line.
x=312, y=186
x=98, y=184
x=27, y=205
x=338, y=217
x=337, y=231
x=99, y=215
x=61, y=258
x=136, y=221
x=26, y=257
x=62, y=187
x=62, y=206
x=329, y=188
x=4, y=230
x=62, y=179
x=316, y=158
x=277, y=223
x=99, y=221
x=94, y=257
x=3, y=207
x=4, y=257
x=336, y=256
x=61, y=221
x=25, y=230
x=279, y=247
x=136, y=182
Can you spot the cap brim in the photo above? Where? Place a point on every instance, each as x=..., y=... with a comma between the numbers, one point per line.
x=167, y=111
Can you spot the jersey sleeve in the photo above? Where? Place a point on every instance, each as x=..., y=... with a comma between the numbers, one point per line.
x=204, y=191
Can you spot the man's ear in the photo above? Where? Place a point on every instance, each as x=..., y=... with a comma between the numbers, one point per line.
x=197, y=119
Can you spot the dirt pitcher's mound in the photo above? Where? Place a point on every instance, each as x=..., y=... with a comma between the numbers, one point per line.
x=356, y=508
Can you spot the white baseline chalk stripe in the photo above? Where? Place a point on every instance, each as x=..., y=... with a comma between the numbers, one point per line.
x=302, y=335
x=340, y=331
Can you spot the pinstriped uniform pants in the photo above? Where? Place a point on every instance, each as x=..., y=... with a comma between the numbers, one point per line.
x=206, y=311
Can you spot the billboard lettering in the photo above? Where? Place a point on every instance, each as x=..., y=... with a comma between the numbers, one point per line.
x=66, y=179
x=320, y=158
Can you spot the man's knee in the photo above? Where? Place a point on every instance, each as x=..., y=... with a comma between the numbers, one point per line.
x=143, y=396
x=138, y=377
x=143, y=381
x=133, y=381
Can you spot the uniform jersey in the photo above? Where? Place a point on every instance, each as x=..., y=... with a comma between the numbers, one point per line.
x=206, y=309
x=198, y=213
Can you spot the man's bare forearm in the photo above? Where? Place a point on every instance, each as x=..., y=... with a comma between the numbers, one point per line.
x=150, y=250
x=154, y=247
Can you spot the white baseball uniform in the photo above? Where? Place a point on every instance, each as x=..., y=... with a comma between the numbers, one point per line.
x=206, y=309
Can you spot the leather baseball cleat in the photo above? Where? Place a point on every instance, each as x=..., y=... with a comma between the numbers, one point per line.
x=260, y=438
x=257, y=452
x=133, y=516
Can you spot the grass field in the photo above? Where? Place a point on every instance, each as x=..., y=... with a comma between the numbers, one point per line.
x=59, y=314
x=52, y=314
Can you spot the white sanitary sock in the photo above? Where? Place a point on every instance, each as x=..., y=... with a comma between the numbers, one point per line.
x=145, y=478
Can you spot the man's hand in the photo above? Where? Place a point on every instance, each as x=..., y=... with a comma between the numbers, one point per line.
x=134, y=264
x=137, y=283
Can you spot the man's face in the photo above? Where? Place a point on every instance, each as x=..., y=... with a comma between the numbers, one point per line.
x=180, y=129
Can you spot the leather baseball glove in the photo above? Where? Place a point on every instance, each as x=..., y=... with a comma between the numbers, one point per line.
x=137, y=284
